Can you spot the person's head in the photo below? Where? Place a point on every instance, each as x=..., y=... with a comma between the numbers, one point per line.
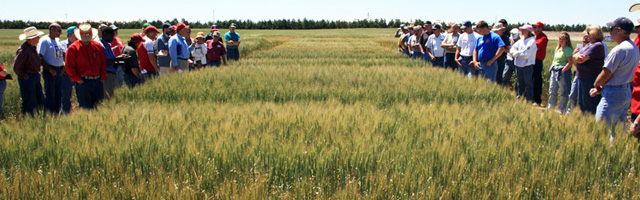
x=32, y=35
x=70, y=36
x=55, y=30
x=427, y=26
x=437, y=29
x=483, y=28
x=594, y=33
x=166, y=28
x=515, y=34
x=151, y=32
x=636, y=25
x=585, y=40
x=174, y=30
x=454, y=28
x=85, y=33
x=418, y=29
x=216, y=36
x=100, y=28
x=182, y=29
x=537, y=27
x=498, y=28
x=144, y=26
x=188, y=32
x=503, y=22
x=620, y=29
x=214, y=28
x=115, y=30
x=107, y=34
x=466, y=27
x=232, y=27
x=564, y=40
x=136, y=39
x=526, y=31
x=200, y=38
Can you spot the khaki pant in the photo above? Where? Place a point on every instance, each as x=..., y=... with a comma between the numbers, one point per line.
x=183, y=65
x=164, y=70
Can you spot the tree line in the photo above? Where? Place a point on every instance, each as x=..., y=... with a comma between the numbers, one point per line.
x=264, y=24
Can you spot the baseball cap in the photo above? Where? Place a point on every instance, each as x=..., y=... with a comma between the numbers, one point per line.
x=637, y=22
x=622, y=22
x=144, y=26
x=233, y=25
x=401, y=25
x=214, y=27
x=503, y=21
x=540, y=24
x=497, y=27
x=181, y=26
x=136, y=37
x=427, y=22
x=526, y=27
x=151, y=28
x=114, y=27
x=200, y=35
x=71, y=29
x=416, y=28
x=216, y=34
x=166, y=25
x=465, y=24
x=436, y=26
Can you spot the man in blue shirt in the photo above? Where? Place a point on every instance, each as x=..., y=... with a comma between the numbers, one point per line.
x=164, y=60
x=178, y=48
x=51, y=52
x=488, y=49
x=232, y=39
x=111, y=82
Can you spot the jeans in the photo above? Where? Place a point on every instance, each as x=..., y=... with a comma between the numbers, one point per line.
x=470, y=71
x=585, y=101
x=406, y=52
x=438, y=62
x=120, y=76
x=614, y=105
x=53, y=90
x=508, y=71
x=212, y=63
x=537, y=82
x=110, y=84
x=31, y=93
x=489, y=71
x=525, y=82
x=501, y=60
x=450, y=61
x=416, y=55
x=89, y=93
x=573, y=95
x=131, y=80
x=3, y=86
x=67, y=88
x=562, y=82
x=233, y=54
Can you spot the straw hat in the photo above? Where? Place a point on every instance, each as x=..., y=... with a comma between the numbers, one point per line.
x=85, y=33
x=30, y=33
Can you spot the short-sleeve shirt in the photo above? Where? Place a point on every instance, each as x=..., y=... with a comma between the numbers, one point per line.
x=561, y=58
x=592, y=67
x=434, y=43
x=622, y=61
x=132, y=62
x=467, y=42
x=413, y=40
x=451, y=38
x=487, y=46
x=143, y=50
x=51, y=50
x=163, y=44
x=507, y=42
x=232, y=36
x=215, y=50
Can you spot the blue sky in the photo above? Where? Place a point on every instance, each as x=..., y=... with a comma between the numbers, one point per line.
x=548, y=11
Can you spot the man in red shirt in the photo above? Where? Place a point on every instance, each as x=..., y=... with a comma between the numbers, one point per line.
x=541, y=43
x=216, y=51
x=87, y=67
x=635, y=94
x=146, y=54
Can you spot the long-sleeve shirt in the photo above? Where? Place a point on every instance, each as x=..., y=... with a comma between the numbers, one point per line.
x=27, y=61
x=178, y=48
x=86, y=59
x=524, y=52
x=199, y=52
x=109, y=55
x=541, y=42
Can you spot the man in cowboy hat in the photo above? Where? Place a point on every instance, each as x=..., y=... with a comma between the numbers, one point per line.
x=232, y=39
x=86, y=66
x=179, y=49
x=27, y=66
x=51, y=52
x=67, y=84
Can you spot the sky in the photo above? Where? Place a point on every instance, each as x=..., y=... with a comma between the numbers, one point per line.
x=547, y=11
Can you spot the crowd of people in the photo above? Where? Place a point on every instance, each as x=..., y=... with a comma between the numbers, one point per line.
x=97, y=62
x=606, y=84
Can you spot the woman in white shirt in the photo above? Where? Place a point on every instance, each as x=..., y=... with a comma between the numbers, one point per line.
x=524, y=57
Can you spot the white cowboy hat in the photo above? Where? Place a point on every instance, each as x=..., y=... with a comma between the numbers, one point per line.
x=30, y=33
x=86, y=30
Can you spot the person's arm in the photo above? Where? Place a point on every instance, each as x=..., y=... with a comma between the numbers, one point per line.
x=474, y=63
x=71, y=65
x=398, y=32
x=567, y=67
x=457, y=56
x=603, y=78
x=18, y=64
x=498, y=54
x=173, y=51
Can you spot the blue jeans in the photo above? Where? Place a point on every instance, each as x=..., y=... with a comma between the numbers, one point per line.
x=233, y=54
x=614, y=105
x=562, y=82
x=3, y=86
x=438, y=62
x=501, y=61
x=131, y=80
x=67, y=88
x=470, y=71
x=573, y=95
x=89, y=93
x=212, y=63
x=416, y=55
x=537, y=81
x=525, y=82
x=585, y=101
x=450, y=61
x=31, y=93
x=53, y=90
x=507, y=73
x=120, y=76
x=406, y=52
x=489, y=71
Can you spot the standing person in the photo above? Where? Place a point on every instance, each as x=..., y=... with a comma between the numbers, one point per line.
x=3, y=85
x=449, y=45
x=416, y=47
x=398, y=32
x=524, y=53
x=214, y=28
x=635, y=95
x=67, y=84
x=434, y=46
x=131, y=67
x=144, y=29
x=402, y=42
x=117, y=46
x=179, y=49
x=499, y=29
x=510, y=66
x=614, y=83
x=589, y=61
x=51, y=52
x=423, y=38
x=164, y=60
x=111, y=82
x=216, y=51
x=560, y=71
x=541, y=41
x=573, y=94
x=232, y=39
x=464, y=54
x=489, y=47
x=199, y=51
x=27, y=66
x=146, y=54
x=87, y=67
